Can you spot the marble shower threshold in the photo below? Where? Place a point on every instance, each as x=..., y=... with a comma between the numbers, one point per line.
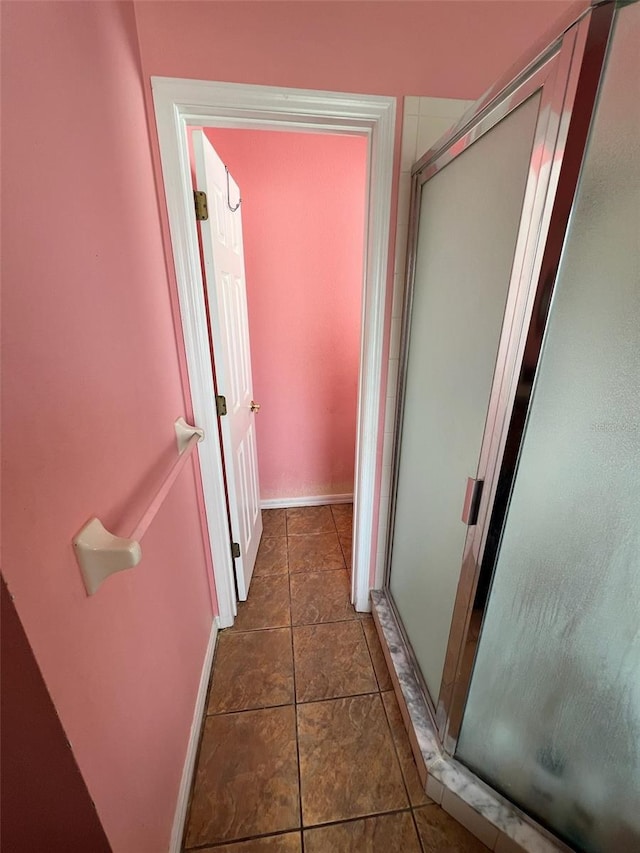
x=491, y=818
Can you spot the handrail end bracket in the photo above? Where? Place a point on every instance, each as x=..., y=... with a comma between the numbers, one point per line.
x=100, y=554
x=184, y=434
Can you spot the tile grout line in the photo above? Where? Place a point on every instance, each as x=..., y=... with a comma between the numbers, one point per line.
x=415, y=826
x=222, y=844
x=309, y=533
x=366, y=640
x=315, y=571
x=295, y=695
x=375, y=674
x=344, y=556
x=250, y=710
x=397, y=754
x=295, y=705
x=358, y=817
x=297, y=624
x=338, y=698
x=283, y=832
x=335, y=524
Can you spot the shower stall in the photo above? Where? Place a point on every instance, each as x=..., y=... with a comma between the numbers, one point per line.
x=511, y=605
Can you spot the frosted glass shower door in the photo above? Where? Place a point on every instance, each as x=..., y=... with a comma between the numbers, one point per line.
x=553, y=714
x=469, y=219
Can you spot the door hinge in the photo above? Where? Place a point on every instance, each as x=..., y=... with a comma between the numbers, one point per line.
x=200, y=201
x=235, y=550
x=221, y=405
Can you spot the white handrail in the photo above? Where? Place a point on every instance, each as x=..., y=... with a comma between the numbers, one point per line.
x=100, y=553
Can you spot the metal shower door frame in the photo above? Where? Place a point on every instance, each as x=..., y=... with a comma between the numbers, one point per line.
x=566, y=73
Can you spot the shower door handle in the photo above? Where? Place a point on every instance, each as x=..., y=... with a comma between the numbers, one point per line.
x=472, y=501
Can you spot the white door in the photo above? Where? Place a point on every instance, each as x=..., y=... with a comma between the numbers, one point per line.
x=226, y=291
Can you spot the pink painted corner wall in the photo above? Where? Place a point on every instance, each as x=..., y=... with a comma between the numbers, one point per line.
x=91, y=388
x=303, y=211
x=435, y=48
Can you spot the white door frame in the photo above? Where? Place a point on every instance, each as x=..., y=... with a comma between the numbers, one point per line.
x=179, y=103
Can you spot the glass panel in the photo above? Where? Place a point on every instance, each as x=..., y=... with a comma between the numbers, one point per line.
x=470, y=213
x=553, y=715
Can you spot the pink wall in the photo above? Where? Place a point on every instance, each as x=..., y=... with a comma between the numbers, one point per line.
x=303, y=205
x=439, y=48
x=91, y=389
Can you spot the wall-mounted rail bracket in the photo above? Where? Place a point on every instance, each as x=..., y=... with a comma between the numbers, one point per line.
x=185, y=432
x=100, y=553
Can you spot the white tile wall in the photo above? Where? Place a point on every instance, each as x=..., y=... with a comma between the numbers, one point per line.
x=430, y=129
x=398, y=293
x=386, y=454
x=392, y=378
x=412, y=106
x=385, y=491
x=409, y=142
x=389, y=415
x=449, y=107
x=394, y=345
x=425, y=121
x=402, y=231
x=404, y=191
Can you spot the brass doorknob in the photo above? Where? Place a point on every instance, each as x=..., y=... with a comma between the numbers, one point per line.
x=255, y=407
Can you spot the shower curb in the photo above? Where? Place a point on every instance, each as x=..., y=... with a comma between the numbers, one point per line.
x=491, y=818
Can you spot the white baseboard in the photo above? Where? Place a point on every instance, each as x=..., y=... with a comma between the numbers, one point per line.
x=175, y=845
x=315, y=500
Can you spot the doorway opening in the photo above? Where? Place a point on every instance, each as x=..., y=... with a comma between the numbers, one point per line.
x=294, y=206
x=183, y=103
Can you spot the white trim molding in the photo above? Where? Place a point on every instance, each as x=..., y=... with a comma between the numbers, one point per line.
x=184, y=790
x=180, y=103
x=311, y=500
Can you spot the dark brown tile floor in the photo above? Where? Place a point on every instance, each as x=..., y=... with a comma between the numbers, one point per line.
x=303, y=749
